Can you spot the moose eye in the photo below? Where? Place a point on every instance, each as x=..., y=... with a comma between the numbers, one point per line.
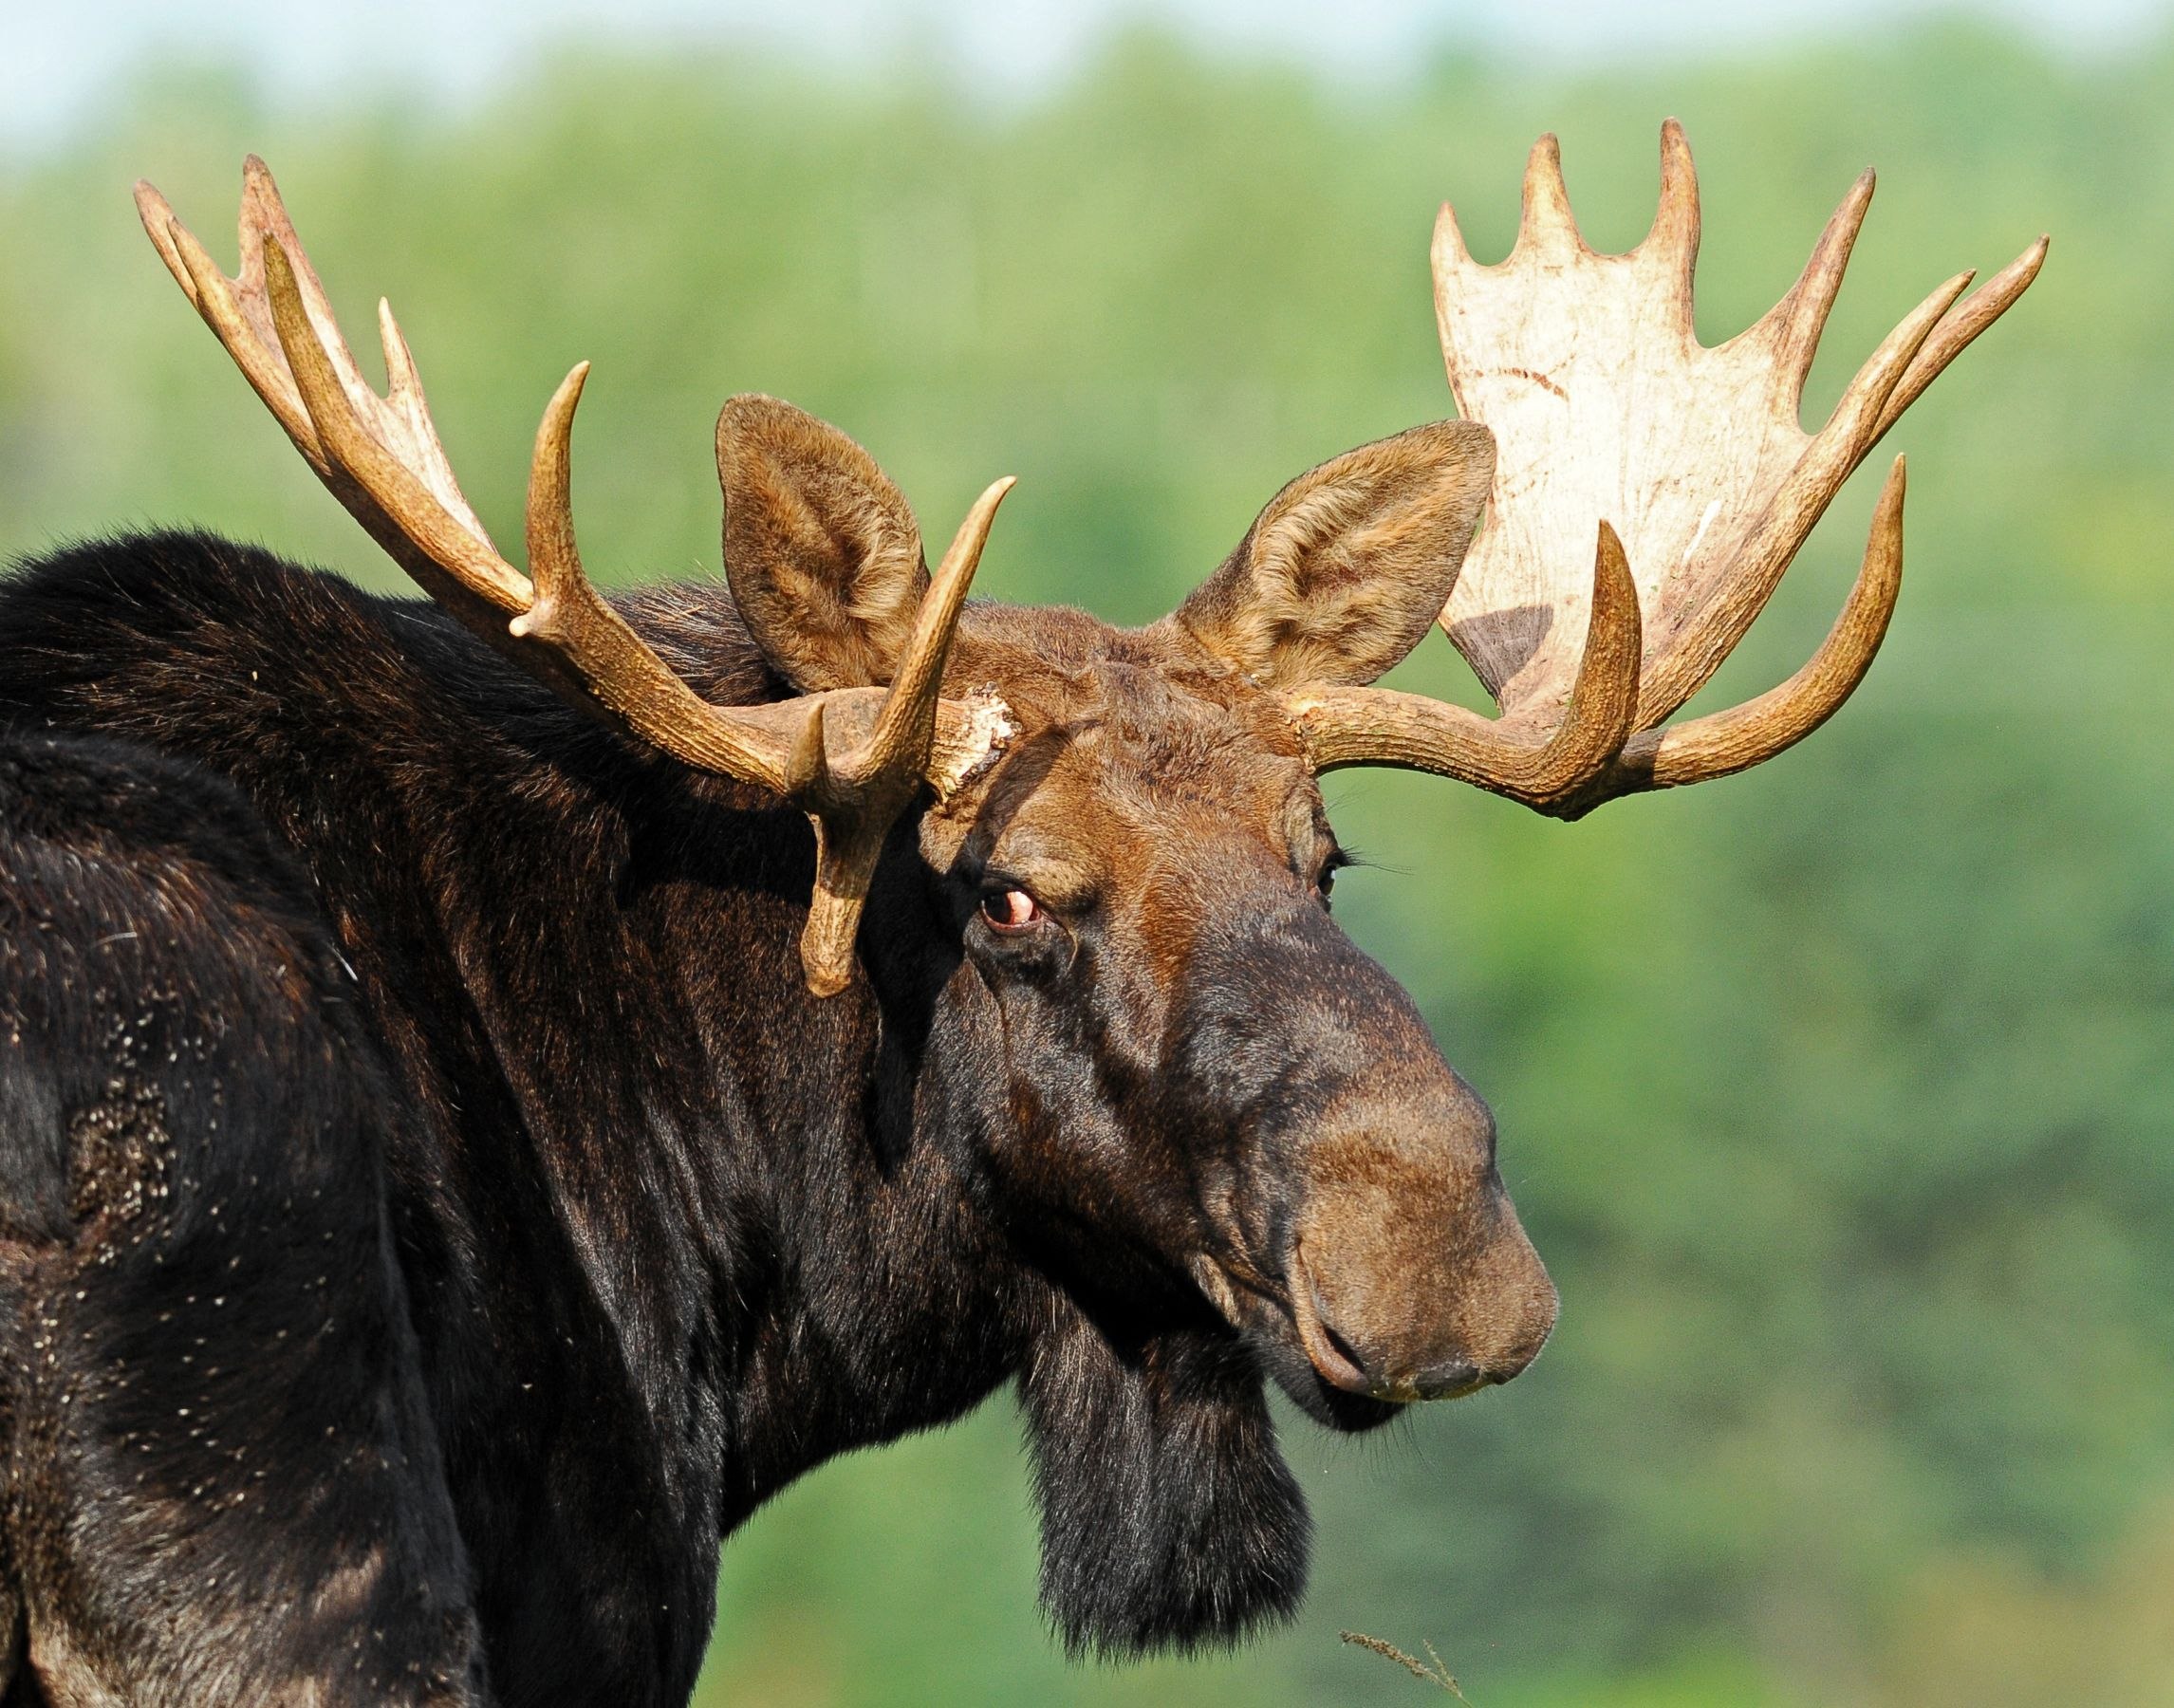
x=1324, y=883
x=1011, y=910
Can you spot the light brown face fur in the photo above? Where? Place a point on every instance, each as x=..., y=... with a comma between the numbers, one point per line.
x=1194, y=1060
x=1137, y=755
x=1157, y=807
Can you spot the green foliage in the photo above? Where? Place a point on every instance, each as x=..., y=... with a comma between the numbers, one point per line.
x=1838, y=1096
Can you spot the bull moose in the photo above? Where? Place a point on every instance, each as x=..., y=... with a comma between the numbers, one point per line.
x=494, y=1088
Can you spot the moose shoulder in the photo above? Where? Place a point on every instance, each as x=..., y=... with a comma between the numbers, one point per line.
x=496, y=1089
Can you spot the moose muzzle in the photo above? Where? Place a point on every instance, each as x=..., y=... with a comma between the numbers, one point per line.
x=1408, y=1274
x=1387, y=1262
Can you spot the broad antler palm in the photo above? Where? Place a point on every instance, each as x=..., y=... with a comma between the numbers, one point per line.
x=1689, y=462
x=851, y=759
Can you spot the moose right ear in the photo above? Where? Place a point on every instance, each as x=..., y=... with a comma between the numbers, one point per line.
x=1348, y=567
x=822, y=551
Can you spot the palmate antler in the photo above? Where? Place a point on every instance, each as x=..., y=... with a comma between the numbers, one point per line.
x=851, y=758
x=1609, y=415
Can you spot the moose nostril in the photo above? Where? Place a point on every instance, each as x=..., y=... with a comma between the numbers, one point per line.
x=1333, y=1357
x=1345, y=1348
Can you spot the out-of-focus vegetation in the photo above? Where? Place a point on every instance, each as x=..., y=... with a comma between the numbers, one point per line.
x=1840, y=1096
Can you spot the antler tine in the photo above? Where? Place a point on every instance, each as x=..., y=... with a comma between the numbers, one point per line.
x=404, y=398
x=1755, y=730
x=599, y=656
x=808, y=765
x=1545, y=224
x=1793, y=327
x=397, y=496
x=1874, y=383
x=215, y=297
x=1344, y=726
x=844, y=870
x=160, y=225
x=1448, y=249
x=1795, y=508
x=554, y=558
x=907, y=722
x=1603, y=700
x=1671, y=246
x=265, y=225
x=1963, y=323
x=863, y=793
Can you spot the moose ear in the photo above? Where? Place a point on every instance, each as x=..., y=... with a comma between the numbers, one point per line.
x=822, y=551
x=1344, y=571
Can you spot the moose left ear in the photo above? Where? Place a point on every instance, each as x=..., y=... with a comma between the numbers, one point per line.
x=822, y=551
x=1348, y=567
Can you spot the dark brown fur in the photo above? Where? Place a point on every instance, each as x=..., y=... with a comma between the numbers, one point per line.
x=564, y=1226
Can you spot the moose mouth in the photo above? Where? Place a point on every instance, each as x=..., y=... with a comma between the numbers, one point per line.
x=1336, y=1362
x=1318, y=1370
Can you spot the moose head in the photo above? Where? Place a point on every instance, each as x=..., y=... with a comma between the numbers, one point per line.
x=1087, y=870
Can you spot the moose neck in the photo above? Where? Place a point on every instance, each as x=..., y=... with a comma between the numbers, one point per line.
x=652, y=1195
x=866, y=1290
x=858, y=1284
x=765, y=1193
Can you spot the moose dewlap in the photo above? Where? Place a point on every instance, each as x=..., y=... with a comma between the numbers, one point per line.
x=494, y=1088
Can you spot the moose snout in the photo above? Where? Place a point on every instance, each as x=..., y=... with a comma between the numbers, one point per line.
x=1395, y=1268
x=1410, y=1277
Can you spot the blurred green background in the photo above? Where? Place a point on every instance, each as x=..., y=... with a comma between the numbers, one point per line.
x=1838, y=1095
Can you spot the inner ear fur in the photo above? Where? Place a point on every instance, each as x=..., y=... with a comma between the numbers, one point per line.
x=1346, y=569
x=822, y=551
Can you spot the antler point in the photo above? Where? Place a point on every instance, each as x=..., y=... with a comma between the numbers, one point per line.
x=807, y=763
x=1448, y=247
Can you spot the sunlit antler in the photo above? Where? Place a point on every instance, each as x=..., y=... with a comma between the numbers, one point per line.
x=851, y=758
x=1606, y=409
